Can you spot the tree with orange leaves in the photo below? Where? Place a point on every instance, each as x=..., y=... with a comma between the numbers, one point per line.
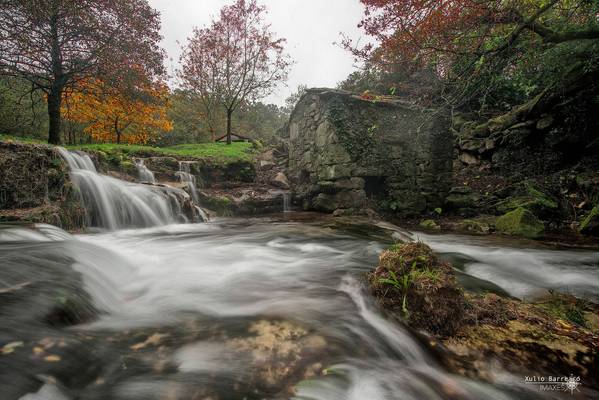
x=113, y=115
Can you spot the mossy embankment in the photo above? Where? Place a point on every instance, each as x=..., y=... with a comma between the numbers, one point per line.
x=35, y=187
x=478, y=335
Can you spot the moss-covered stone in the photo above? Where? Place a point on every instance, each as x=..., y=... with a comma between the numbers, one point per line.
x=474, y=226
x=429, y=224
x=532, y=199
x=412, y=284
x=520, y=222
x=590, y=225
x=221, y=205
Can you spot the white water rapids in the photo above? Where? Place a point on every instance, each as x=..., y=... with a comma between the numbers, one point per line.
x=217, y=278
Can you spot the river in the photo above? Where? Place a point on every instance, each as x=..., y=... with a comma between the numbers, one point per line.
x=250, y=309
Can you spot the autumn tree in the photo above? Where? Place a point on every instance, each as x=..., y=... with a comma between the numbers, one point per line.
x=55, y=43
x=236, y=59
x=473, y=43
x=111, y=115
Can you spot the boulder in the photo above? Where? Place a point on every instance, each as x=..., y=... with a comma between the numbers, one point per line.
x=429, y=224
x=411, y=284
x=280, y=180
x=520, y=222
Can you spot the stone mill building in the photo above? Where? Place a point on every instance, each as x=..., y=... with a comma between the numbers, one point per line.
x=351, y=152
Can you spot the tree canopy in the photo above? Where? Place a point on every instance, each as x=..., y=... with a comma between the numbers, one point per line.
x=53, y=44
x=235, y=60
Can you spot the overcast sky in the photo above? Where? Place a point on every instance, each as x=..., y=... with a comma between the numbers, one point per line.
x=310, y=27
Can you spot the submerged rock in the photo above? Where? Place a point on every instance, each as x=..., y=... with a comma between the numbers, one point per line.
x=520, y=222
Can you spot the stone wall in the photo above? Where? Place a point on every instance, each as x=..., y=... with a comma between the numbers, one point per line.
x=347, y=152
x=35, y=187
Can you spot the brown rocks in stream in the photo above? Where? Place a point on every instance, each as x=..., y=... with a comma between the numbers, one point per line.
x=478, y=335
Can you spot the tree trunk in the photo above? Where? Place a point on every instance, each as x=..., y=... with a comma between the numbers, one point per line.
x=229, y=114
x=54, y=101
x=117, y=130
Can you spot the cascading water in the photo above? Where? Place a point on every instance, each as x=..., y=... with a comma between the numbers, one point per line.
x=145, y=175
x=113, y=204
x=185, y=176
x=286, y=202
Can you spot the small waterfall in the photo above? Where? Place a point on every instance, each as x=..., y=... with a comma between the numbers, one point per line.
x=184, y=174
x=286, y=202
x=114, y=204
x=145, y=175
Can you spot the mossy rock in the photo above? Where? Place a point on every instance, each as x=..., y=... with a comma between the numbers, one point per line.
x=429, y=224
x=590, y=225
x=410, y=283
x=520, y=222
x=533, y=199
x=221, y=205
x=474, y=226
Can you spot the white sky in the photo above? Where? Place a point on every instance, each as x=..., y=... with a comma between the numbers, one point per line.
x=310, y=27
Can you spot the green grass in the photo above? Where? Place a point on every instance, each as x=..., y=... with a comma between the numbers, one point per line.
x=19, y=139
x=215, y=151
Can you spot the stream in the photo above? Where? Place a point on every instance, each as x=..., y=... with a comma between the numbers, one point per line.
x=252, y=308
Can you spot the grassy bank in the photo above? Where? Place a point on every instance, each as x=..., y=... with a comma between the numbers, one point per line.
x=214, y=151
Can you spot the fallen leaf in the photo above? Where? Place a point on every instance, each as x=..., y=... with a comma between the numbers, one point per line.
x=37, y=350
x=52, y=358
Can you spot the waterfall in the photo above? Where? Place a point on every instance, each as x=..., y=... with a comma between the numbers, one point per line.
x=184, y=174
x=114, y=204
x=286, y=202
x=145, y=175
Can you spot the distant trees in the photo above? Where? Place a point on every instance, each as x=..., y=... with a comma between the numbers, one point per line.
x=235, y=60
x=53, y=44
x=111, y=115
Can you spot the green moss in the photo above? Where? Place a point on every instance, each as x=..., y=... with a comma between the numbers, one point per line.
x=221, y=205
x=470, y=225
x=520, y=222
x=429, y=224
x=590, y=221
x=567, y=308
x=358, y=141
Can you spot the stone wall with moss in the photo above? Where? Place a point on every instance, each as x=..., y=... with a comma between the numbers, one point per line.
x=35, y=187
x=347, y=152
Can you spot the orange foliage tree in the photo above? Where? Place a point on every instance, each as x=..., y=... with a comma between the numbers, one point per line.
x=112, y=115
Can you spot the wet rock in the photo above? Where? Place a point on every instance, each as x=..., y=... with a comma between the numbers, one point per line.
x=522, y=338
x=410, y=283
x=280, y=180
x=520, y=222
x=474, y=226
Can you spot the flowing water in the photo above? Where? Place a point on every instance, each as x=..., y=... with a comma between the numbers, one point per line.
x=250, y=309
x=144, y=173
x=115, y=204
x=184, y=174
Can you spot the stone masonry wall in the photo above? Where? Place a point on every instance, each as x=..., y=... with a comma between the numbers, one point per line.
x=347, y=152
